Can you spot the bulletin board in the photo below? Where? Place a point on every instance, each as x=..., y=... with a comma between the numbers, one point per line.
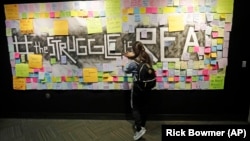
x=79, y=44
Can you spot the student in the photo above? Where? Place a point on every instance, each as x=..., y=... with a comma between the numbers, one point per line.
x=138, y=95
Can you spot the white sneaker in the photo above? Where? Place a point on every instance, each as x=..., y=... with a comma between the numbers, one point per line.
x=139, y=134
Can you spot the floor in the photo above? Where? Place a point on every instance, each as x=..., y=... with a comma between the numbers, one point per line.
x=25, y=129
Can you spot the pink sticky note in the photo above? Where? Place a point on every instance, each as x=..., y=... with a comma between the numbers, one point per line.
x=176, y=78
x=166, y=85
x=35, y=79
x=194, y=85
x=165, y=73
x=63, y=78
x=206, y=77
x=17, y=55
x=207, y=50
x=154, y=10
x=205, y=72
x=215, y=34
x=115, y=79
x=189, y=79
x=34, y=85
x=190, y=9
x=41, y=69
x=196, y=49
x=90, y=14
x=52, y=14
x=148, y=10
x=159, y=79
x=28, y=80
x=36, y=70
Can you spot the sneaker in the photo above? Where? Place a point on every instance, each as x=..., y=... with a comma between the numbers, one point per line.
x=139, y=134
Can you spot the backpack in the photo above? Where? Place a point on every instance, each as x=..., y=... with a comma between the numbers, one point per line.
x=146, y=77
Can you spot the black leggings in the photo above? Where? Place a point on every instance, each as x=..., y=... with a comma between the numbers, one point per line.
x=139, y=99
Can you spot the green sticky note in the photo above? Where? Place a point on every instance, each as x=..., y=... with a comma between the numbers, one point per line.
x=217, y=81
x=171, y=65
x=120, y=78
x=52, y=61
x=22, y=70
x=159, y=64
x=130, y=79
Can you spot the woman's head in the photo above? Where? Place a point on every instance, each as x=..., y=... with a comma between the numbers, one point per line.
x=139, y=53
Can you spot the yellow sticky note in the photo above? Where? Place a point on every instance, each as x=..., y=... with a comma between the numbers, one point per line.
x=11, y=11
x=176, y=23
x=94, y=25
x=188, y=86
x=61, y=27
x=125, y=18
x=142, y=10
x=114, y=25
x=220, y=41
x=171, y=79
x=224, y=6
x=19, y=83
x=73, y=13
x=35, y=61
x=213, y=54
x=130, y=10
x=177, y=65
x=31, y=15
x=169, y=10
x=26, y=26
x=105, y=75
x=90, y=75
x=57, y=14
x=183, y=65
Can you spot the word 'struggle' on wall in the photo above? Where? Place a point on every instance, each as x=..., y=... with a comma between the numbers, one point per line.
x=79, y=44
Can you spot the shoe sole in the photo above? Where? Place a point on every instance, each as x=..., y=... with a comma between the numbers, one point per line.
x=144, y=131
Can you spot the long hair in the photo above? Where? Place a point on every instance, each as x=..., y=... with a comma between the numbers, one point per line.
x=140, y=54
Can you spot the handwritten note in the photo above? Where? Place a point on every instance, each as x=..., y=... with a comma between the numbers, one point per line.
x=90, y=75
x=94, y=25
x=114, y=25
x=11, y=11
x=19, y=83
x=35, y=60
x=22, y=70
x=26, y=26
x=217, y=81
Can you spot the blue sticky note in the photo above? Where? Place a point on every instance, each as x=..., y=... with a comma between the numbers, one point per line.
x=182, y=78
x=206, y=61
x=136, y=10
x=137, y=18
x=17, y=61
x=219, y=47
x=201, y=78
x=213, y=62
x=214, y=48
x=63, y=59
x=165, y=79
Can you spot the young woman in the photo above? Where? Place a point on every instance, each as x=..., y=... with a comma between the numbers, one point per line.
x=138, y=95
